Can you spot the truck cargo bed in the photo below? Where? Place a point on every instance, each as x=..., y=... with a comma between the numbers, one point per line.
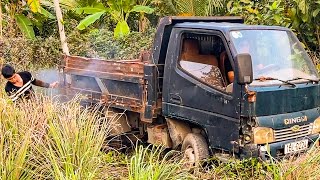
x=122, y=84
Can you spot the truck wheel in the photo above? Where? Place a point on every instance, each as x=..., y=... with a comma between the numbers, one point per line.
x=195, y=149
x=118, y=121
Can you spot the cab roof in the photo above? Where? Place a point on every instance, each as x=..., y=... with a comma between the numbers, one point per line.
x=225, y=26
x=220, y=23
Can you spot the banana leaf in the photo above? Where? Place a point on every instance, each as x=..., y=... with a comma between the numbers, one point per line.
x=25, y=25
x=46, y=13
x=34, y=5
x=91, y=9
x=89, y=20
x=122, y=29
x=144, y=9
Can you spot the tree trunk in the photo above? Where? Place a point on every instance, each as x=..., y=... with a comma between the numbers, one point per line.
x=63, y=39
x=0, y=19
x=143, y=23
x=318, y=37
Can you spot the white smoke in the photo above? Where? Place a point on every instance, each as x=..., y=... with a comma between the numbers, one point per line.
x=48, y=76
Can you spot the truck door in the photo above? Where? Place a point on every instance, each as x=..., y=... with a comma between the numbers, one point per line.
x=197, y=87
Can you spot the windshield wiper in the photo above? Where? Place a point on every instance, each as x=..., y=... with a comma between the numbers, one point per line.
x=262, y=78
x=312, y=80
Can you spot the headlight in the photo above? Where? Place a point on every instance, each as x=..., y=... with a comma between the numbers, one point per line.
x=316, y=126
x=262, y=135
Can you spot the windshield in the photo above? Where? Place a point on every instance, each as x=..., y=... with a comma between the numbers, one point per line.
x=276, y=54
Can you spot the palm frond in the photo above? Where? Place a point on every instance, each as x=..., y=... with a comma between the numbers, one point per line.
x=169, y=4
x=215, y=6
x=198, y=7
x=185, y=7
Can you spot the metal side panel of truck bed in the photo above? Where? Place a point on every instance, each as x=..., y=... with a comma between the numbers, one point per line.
x=120, y=84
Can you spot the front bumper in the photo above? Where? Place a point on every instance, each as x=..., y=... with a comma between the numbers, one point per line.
x=275, y=150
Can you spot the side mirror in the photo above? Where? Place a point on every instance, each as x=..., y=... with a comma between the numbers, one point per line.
x=244, y=73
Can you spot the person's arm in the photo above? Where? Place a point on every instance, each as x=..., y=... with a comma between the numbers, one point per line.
x=40, y=83
x=8, y=91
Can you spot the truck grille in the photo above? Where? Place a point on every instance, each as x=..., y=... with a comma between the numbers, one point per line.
x=289, y=133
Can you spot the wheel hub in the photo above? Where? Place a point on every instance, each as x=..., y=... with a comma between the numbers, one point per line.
x=189, y=156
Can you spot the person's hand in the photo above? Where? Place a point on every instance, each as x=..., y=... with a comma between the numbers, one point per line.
x=54, y=84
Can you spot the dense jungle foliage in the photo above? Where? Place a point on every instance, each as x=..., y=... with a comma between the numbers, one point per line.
x=118, y=29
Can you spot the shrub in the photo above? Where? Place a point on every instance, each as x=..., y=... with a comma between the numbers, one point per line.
x=260, y=12
x=104, y=45
x=300, y=15
x=30, y=53
x=46, y=52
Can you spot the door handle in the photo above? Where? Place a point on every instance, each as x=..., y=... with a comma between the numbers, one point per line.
x=175, y=98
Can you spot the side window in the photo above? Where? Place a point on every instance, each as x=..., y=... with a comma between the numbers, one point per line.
x=204, y=57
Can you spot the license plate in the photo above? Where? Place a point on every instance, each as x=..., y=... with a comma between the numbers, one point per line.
x=296, y=146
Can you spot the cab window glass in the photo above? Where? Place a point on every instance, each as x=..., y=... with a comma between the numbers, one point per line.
x=204, y=58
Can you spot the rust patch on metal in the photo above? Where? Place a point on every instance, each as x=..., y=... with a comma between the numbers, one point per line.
x=131, y=71
x=132, y=104
x=129, y=68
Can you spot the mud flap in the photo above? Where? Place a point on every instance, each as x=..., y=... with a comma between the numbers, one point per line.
x=178, y=131
x=159, y=135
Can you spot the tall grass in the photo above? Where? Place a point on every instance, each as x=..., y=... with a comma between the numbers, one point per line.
x=72, y=143
x=47, y=139
x=304, y=166
x=51, y=140
x=151, y=163
x=307, y=166
x=15, y=142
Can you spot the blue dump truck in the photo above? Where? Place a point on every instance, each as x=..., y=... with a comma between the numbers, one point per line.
x=209, y=85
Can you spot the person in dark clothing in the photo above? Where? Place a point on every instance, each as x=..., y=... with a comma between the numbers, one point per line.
x=19, y=84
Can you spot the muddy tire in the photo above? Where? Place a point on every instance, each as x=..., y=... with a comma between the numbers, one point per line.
x=195, y=150
x=119, y=136
x=118, y=121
